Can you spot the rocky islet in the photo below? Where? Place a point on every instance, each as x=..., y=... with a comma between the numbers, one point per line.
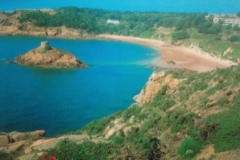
x=47, y=56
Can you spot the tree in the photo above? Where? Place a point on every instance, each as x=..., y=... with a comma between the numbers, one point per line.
x=236, y=28
x=180, y=35
x=238, y=13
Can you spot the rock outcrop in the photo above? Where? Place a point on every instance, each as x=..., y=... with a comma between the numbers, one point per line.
x=11, y=142
x=156, y=81
x=47, y=56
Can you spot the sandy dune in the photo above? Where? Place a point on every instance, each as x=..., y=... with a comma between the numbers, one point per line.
x=176, y=56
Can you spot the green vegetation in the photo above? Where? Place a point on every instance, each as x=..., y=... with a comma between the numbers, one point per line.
x=131, y=23
x=148, y=131
x=90, y=151
x=5, y=156
x=96, y=127
x=223, y=128
x=238, y=14
x=189, y=148
x=179, y=28
x=180, y=35
x=234, y=38
x=141, y=148
x=204, y=107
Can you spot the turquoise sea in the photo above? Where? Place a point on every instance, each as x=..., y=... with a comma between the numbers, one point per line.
x=63, y=100
x=210, y=6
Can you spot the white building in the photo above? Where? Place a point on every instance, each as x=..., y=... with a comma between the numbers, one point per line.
x=112, y=21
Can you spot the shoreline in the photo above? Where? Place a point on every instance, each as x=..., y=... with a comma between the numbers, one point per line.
x=171, y=56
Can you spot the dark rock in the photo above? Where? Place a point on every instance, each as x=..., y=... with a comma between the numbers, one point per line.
x=229, y=93
x=171, y=63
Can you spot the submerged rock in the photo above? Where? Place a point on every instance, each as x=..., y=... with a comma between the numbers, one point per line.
x=47, y=56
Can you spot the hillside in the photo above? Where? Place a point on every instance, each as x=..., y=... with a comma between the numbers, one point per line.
x=187, y=115
x=215, y=34
x=179, y=114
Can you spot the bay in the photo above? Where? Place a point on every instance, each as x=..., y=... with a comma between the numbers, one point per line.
x=63, y=100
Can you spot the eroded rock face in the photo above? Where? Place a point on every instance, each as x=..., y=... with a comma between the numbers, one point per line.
x=14, y=141
x=19, y=136
x=4, y=140
x=47, y=56
x=154, y=84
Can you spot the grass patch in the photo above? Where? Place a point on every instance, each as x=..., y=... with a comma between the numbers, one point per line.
x=226, y=134
x=98, y=126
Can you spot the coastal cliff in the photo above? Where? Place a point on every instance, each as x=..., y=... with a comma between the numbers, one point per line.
x=47, y=56
x=179, y=115
x=10, y=25
x=156, y=81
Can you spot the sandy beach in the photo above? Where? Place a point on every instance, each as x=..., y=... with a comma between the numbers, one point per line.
x=176, y=56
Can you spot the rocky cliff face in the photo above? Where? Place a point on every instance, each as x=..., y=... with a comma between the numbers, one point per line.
x=47, y=56
x=156, y=81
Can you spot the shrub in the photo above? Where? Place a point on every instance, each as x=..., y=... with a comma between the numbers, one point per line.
x=226, y=136
x=132, y=111
x=234, y=38
x=98, y=126
x=90, y=151
x=199, y=86
x=149, y=146
x=180, y=35
x=189, y=148
x=5, y=156
x=117, y=139
x=152, y=121
x=238, y=13
x=167, y=103
x=181, y=121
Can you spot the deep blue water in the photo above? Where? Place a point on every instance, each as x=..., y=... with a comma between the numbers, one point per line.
x=210, y=6
x=62, y=100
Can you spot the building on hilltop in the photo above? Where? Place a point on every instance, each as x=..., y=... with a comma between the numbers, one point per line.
x=113, y=21
x=227, y=19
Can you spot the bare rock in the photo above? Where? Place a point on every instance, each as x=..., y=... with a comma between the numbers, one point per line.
x=47, y=56
x=13, y=147
x=19, y=136
x=41, y=133
x=171, y=63
x=4, y=140
x=154, y=84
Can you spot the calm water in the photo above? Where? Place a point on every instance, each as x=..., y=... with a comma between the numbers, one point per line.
x=61, y=100
x=210, y=6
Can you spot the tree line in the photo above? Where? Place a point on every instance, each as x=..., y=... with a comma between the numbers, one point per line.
x=131, y=23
